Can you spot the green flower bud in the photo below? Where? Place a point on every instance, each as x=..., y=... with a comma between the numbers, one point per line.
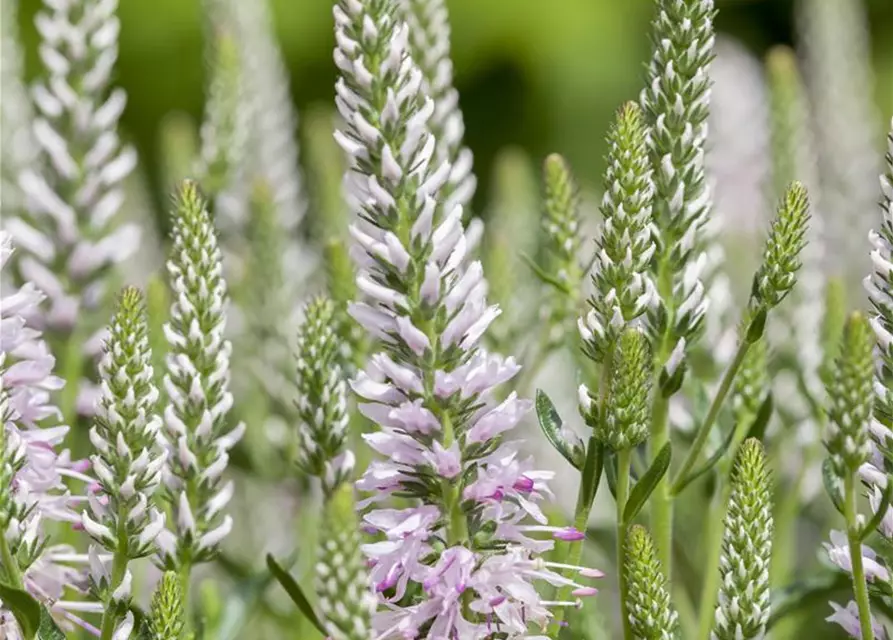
x=851, y=399
x=167, y=616
x=651, y=614
x=346, y=601
x=781, y=257
x=625, y=424
x=322, y=398
x=743, y=604
x=561, y=224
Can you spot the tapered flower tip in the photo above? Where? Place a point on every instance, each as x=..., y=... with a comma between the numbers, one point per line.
x=851, y=398
x=651, y=614
x=167, y=615
x=781, y=62
x=777, y=273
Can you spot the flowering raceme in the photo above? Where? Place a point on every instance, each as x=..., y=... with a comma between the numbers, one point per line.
x=33, y=473
x=432, y=388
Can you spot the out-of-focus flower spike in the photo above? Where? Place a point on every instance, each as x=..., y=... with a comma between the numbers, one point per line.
x=167, y=617
x=651, y=614
x=752, y=384
x=179, y=148
x=742, y=611
x=325, y=175
x=561, y=259
x=223, y=135
x=18, y=149
x=851, y=399
x=794, y=158
x=833, y=43
x=623, y=287
x=197, y=417
x=346, y=600
x=322, y=398
x=71, y=235
x=429, y=36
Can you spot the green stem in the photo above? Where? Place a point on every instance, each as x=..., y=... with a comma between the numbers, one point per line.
x=661, y=501
x=11, y=567
x=457, y=529
x=705, y=427
x=860, y=586
x=119, y=569
x=184, y=574
x=623, y=467
x=713, y=544
x=584, y=501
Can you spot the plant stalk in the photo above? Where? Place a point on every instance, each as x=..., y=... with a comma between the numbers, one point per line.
x=860, y=586
x=11, y=567
x=623, y=468
x=661, y=501
x=706, y=426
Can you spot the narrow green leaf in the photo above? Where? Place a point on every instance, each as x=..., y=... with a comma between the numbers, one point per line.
x=295, y=593
x=711, y=462
x=542, y=275
x=646, y=485
x=48, y=630
x=610, y=464
x=761, y=421
x=592, y=471
x=25, y=609
x=550, y=423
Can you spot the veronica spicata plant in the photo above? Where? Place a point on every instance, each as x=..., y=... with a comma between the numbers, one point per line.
x=467, y=539
x=196, y=424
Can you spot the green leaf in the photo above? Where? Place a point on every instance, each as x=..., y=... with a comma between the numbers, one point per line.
x=829, y=479
x=550, y=423
x=880, y=512
x=757, y=324
x=647, y=483
x=592, y=472
x=711, y=462
x=542, y=275
x=761, y=421
x=48, y=630
x=610, y=464
x=295, y=593
x=25, y=609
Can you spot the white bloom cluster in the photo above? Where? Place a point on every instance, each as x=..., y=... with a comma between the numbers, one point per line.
x=429, y=35
x=197, y=380
x=676, y=103
x=128, y=461
x=70, y=234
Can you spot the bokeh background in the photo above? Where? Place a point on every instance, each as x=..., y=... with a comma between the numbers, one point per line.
x=545, y=75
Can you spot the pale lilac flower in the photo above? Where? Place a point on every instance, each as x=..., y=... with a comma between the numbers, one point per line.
x=477, y=528
x=848, y=619
x=33, y=473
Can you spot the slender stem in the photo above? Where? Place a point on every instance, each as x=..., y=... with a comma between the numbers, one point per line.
x=584, y=495
x=9, y=564
x=119, y=570
x=184, y=574
x=623, y=466
x=705, y=427
x=457, y=530
x=713, y=543
x=860, y=586
x=661, y=501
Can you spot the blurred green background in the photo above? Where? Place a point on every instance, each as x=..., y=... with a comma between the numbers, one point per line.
x=542, y=74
